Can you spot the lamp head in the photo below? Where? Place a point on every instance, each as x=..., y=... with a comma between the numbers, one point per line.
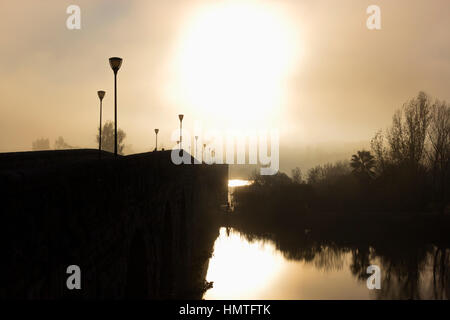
x=101, y=94
x=115, y=63
x=156, y=131
x=180, y=116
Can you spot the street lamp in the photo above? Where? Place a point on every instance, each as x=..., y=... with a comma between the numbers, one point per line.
x=203, y=152
x=156, y=132
x=115, y=64
x=180, y=116
x=196, y=139
x=101, y=95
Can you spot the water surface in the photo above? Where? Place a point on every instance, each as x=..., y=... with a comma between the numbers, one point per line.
x=256, y=270
x=244, y=267
x=306, y=264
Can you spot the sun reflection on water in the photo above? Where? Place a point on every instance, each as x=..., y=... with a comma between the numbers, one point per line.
x=239, y=183
x=240, y=268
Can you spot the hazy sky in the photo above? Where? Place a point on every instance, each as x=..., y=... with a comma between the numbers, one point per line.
x=310, y=68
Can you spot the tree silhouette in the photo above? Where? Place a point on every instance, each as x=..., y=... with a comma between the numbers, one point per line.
x=439, y=151
x=61, y=144
x=108, y=138
x=363, y=163
x=408, y=132
x=41, y=144
x=297, y=175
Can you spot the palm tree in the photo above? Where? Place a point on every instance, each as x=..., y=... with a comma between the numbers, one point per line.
x=363, y=163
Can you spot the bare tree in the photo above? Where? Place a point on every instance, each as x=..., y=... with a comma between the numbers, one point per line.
x=417, y=118
x=439, y=147
x=380, y=151
x=396, y=138
x=407, y=135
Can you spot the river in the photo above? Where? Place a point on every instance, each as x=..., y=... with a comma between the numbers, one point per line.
x=247, y=267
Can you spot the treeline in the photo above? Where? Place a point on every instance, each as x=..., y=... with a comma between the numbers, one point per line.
x=107, y=141
x=44, y=144
x=407, y=170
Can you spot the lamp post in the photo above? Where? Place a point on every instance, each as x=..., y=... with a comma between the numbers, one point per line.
x=115, y=64
x=196, y=139
x=156, y=145
x=203, y=152
x=101, y=95
x=180, y=116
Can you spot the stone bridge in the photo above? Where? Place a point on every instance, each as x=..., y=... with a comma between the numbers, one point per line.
x=137, y=226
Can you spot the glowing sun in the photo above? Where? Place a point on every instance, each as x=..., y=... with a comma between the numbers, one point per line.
x=232, y=59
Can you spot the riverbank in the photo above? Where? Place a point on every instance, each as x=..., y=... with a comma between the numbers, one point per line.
x=368, y=227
